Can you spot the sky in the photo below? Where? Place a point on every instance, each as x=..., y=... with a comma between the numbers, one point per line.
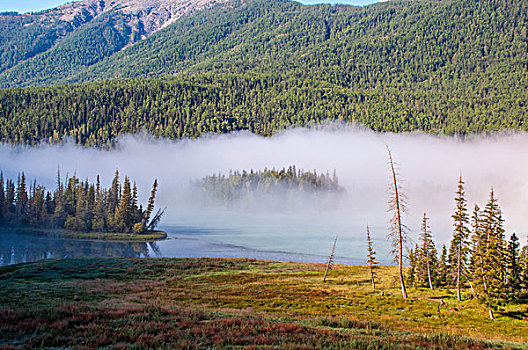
x=23, y=6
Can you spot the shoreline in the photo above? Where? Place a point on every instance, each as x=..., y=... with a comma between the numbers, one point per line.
x=151, y=236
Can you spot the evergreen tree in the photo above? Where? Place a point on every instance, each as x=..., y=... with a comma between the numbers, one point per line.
x=411, y=273
x=112, y=200
x=21, y=199
x=476, y=265
x=513, y=273
x=123, y=215
x=99, y=224
x=50, y=205
x=426, y=260
x=150, y=204
x=136, y=213
x=59, y=212
x=37, y=213
x=371, y=259
x=84, y=209
x=458, y=249
x=443, y=268
x=10, y=197
x=490, y=288
x=60, y=188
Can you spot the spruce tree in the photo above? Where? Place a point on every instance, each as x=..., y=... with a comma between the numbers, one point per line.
x=123, y=217
x=411, y=272
x=491, y=287
x=426, y=260
x=443, y=268
x=83, y=213
x=37, y=213
x=513, y=272
x=9, y=201
x=136, y=214
x=112, y=200
x=476, y=261
x=150, y=204
x=60, y=188
x=458, y=249
x=371, y=259
x=21, y=199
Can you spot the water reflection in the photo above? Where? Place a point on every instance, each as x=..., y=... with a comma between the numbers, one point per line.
x=20, y=248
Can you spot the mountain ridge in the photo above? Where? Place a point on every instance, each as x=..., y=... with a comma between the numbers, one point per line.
x=40, y=39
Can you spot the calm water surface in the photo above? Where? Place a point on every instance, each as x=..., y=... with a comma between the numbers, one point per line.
x=281, y=237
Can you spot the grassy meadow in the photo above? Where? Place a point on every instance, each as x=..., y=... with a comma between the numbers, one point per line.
x=237, y=303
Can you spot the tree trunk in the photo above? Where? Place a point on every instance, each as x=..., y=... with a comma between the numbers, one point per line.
x=429, y=273
x=372, y=278
x=326, y=272
x=459, y=253
x=399, y=227
x=402, y=282
x=330, y=260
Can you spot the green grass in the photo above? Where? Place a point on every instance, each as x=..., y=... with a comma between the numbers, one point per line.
x=111, y=236
x=237, y=303
x=149, y=236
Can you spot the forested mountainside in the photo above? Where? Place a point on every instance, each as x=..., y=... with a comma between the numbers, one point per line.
x=45, y=47
x=454, y=66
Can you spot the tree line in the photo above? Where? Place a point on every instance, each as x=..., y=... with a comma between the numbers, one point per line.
x=261, y=186
x=77, y=206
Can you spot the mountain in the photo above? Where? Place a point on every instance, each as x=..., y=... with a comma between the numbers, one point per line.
x=452, y=66
x=42, y=48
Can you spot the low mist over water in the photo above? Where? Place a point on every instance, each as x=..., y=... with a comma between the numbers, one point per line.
x=430, y=167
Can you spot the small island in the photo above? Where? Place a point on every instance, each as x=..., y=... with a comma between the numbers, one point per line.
x=79, y=210
x=286, y=188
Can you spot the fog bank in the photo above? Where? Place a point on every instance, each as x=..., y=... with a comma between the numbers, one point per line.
x=429, y=165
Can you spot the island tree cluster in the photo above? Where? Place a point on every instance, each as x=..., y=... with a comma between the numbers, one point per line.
x=77, y=206
x=270, y=185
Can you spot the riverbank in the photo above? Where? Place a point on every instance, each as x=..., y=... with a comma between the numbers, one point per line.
x=237, y=303
x=150, y=236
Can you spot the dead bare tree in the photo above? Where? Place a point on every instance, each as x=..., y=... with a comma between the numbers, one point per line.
x=156, y=219
x=397, y=232
x=330, y=262
x=371, y=259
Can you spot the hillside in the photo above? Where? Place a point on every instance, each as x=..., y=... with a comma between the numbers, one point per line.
x=454, y=66
x=236, y=304
x=42, y=48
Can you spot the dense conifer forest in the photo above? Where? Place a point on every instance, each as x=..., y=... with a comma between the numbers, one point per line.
x=452, y=67
x=77, y=206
